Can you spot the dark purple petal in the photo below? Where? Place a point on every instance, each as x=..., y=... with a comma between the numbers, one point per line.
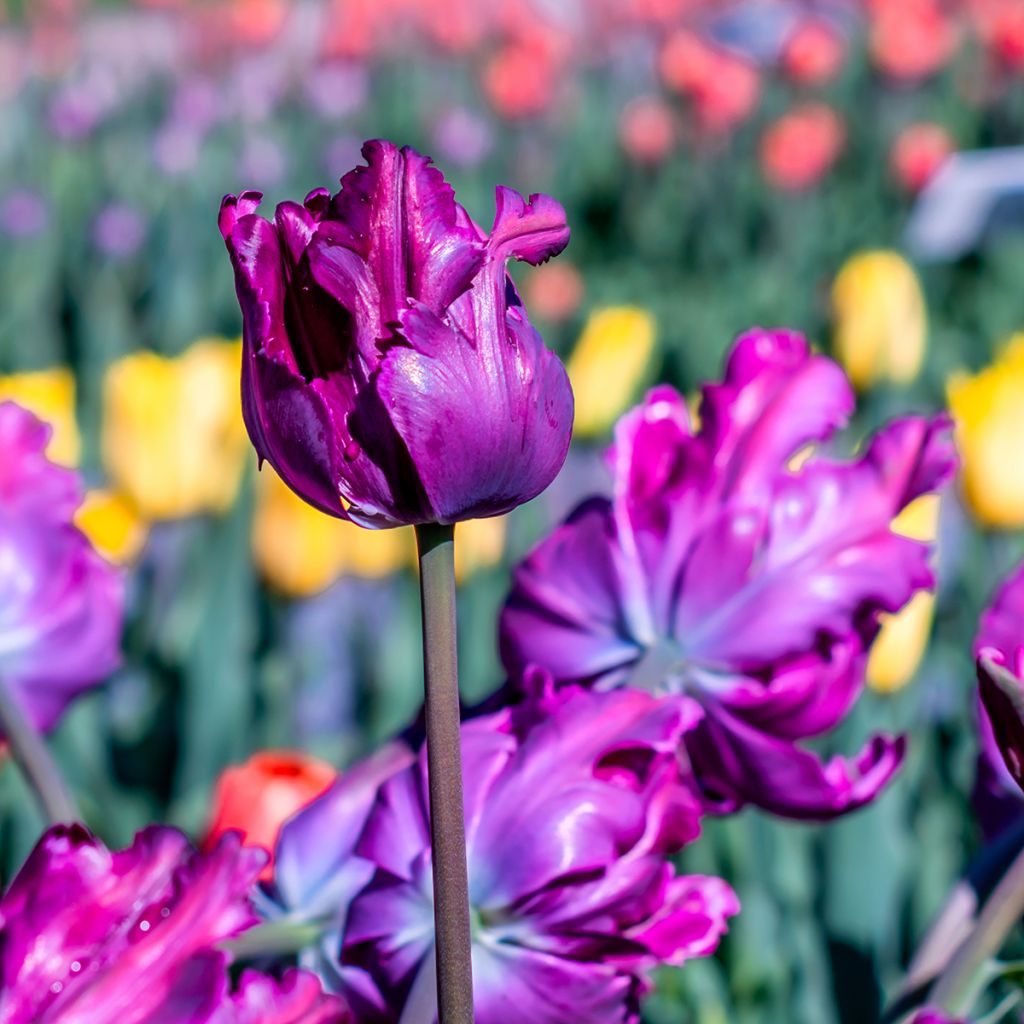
x=1002, y=695
x=487, y=421
x=737, y=764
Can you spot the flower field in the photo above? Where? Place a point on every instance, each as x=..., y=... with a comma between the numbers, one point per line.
x=700, y=322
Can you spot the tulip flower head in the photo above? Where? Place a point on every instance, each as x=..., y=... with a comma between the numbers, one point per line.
x=989, y=411
x=49, y=395
x=390, y=373
x=173, y=439
x=799, y=149
x=608, y=364
x=902, y=638
x=918, y=152
x=258, y=797
x=131, y=936
x=881, y=323
x=60, y=602
x=571, y=807
x=721, y=569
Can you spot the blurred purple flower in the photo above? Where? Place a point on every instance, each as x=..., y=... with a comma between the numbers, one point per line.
x=263, y=161
x=176, y=148
x=342, y=151
x=999, y=648
x=930, y=1016
x=119, y=230
x=336, y=89
x=196, y=105
x=60, y=602
x=571, y=808
x=463, y=137
x=129, y=937
x=723, y=570
x=23, y=213
x=390, y=374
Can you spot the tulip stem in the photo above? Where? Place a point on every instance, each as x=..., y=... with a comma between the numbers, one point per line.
x=35, y=760
x=956, y=987
x=436, y=545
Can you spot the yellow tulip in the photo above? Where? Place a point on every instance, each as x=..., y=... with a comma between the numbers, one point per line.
x=881, y=323
x=608, y=364
x=989, y=412
x=300, y=551
x=173, y=438
x=111, y=522
x=50, y=395
x=903, y=637
x=479, y=543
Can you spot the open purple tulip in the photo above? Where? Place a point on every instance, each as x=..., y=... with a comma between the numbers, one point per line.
x=131, y=937
x=60, y=602
x=390, y=373
x=572, y=805
x=724, y=569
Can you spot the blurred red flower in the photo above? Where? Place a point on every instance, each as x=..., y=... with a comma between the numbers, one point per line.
x=813, y=53
x=722, y=86
x=918, y=152
x=554, y=291
x=519, y=80
x=800, y=147
x=258, y=797
x=1007, y=39
x=646, y=129
x=911, y=39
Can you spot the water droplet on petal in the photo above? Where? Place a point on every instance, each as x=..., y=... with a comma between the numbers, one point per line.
x=352, y=451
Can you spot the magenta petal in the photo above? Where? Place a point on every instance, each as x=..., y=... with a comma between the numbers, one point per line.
x=126, y=937
x=297, y=998
x=533, y=230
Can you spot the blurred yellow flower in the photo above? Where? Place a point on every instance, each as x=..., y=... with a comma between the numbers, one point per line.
x=903, y=638
x=301, y=551
x=111, y=522
x=50, y=395
x=479, y=543
x=608, y=364
x=173, y=437
x=881, y=322
x=989, y=412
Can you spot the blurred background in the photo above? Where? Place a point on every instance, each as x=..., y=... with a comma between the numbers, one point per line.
x=845, y=169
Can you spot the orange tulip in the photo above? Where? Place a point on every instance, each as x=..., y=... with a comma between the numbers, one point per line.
x=258, y=797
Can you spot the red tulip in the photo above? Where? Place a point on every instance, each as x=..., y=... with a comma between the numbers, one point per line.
x=813, y=53
x=918, y=152
x=799, y=148
x=258, y=797
x=722, y=86
x=646, y=130
x=911, y=39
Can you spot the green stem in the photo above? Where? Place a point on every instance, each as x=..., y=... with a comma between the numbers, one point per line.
x=36, y=762
x=956, y=987
x=436, y=546
x=275, y=938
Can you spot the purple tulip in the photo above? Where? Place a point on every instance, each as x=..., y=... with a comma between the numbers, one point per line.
x=725, y=569
x=999, y=648
x=130, y=937
x=390, y=373
x=60, y=602
x=572, y=805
